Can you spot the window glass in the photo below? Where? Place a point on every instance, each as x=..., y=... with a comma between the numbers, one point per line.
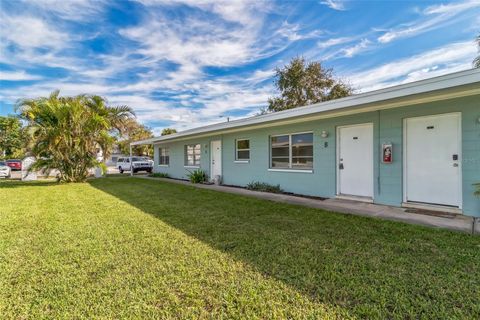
x=163, y=156
x=280, y=152
x=243, y=155
x=243, y=144
x=280, y=162
x=243, y=149
x=192, y=155
x=302, y=150
x=293, y=151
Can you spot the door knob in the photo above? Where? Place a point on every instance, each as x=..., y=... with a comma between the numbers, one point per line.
x=455, y=165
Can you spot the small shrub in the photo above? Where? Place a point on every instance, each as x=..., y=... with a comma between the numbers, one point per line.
x=159, y=175
x=477, y=191
x=104, y=168
x=197, y=176
x=265, y=187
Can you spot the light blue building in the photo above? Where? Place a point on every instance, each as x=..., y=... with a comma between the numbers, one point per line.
x=412, y=145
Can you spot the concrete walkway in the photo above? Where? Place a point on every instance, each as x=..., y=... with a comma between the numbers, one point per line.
x=457, y=223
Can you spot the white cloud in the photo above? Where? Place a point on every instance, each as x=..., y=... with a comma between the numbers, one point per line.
x=172, y=55
x=243, y=12
x=74, y=10
x=334, y=4
x=34, y=41
x=214, y=33
x=433, y=17
x=333, y=42
x=260, y=76
x=17, y=76
x=293, y=32
x=31, y=32
x=195, y=42
x=356, y=49
x=452, y=7
x=410, y=31
x=443, y=60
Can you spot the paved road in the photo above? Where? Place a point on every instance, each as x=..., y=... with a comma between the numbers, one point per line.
x=16, y=175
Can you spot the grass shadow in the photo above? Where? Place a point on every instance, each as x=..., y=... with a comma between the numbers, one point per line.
x=371, y=267
x=21, y=184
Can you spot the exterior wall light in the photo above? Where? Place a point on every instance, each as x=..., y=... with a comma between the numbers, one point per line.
x=324, y=134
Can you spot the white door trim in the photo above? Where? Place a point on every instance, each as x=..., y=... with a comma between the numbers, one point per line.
x=337, y=155
x=211, y=158
x=460, y=155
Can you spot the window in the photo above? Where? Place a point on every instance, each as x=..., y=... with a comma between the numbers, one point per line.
x=242, y=149
x=292, y=151
x=163, y=157
x=192, y=155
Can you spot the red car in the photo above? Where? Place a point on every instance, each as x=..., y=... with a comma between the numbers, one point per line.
x=14, y=164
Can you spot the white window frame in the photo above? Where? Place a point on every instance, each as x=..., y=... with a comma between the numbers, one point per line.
x=167, y=151
x=237, y=160
x=185, y=155
x=290, y=154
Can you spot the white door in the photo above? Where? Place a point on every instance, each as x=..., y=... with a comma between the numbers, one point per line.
x=216, y=159
x=432, y=159
x=355, y=160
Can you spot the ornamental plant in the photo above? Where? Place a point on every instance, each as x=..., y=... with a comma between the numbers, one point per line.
x=67, y=133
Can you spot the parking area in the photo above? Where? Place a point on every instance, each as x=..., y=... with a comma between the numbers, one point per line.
x=16, y=175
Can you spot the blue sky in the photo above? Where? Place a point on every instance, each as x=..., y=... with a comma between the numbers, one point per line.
x=185, y=63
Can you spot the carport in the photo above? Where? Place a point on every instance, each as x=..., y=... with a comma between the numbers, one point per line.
x=139, y=143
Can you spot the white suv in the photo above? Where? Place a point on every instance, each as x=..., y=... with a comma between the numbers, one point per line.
x=137, y=164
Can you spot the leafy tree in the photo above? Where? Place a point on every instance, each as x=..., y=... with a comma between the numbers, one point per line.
x=134, y=131
x=68, y=132
x=12, y=137
x=168, y=131
x=476, y=62
x=301, y=83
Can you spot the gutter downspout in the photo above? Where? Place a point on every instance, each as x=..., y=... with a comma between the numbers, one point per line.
x=378, y=147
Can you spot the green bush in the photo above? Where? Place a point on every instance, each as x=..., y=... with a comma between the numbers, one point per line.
x=159, y=175
x=104, y=168
x=265, y=187
x=477, y=191
x=197, y=176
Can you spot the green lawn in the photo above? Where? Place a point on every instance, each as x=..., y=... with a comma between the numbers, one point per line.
x=137, y=248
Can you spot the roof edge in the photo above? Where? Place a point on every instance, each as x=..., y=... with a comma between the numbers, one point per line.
x=447, y=81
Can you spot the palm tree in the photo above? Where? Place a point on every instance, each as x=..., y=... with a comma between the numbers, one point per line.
x=476, y=62
x=68, y=131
